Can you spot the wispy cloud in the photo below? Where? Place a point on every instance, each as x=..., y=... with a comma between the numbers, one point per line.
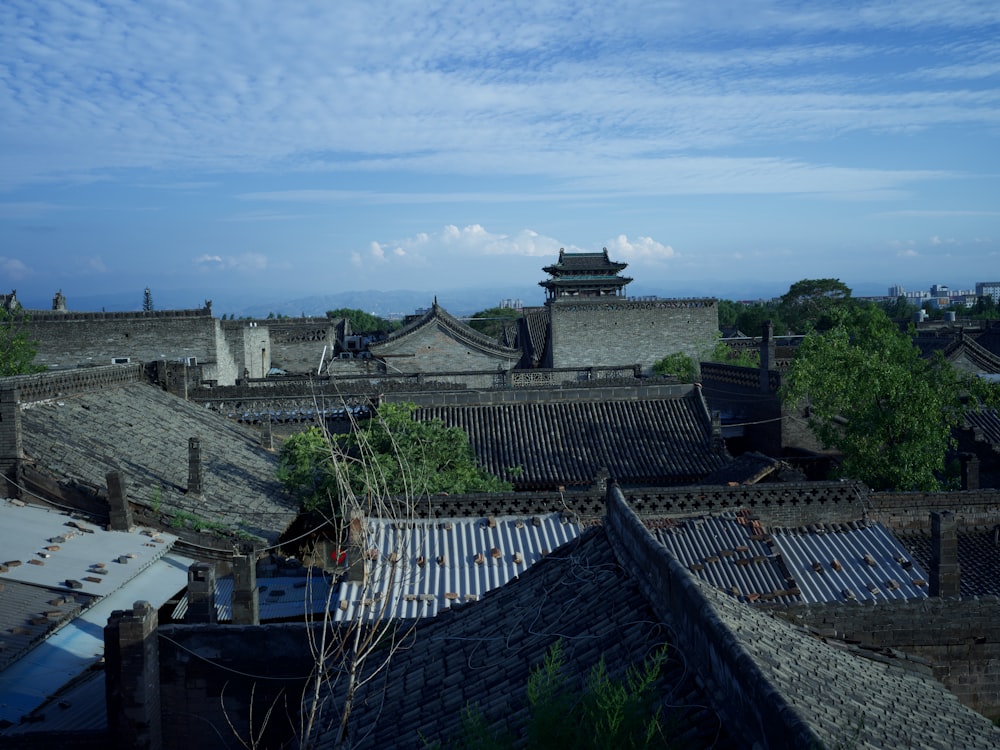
x=14, y=268
x=247, y=262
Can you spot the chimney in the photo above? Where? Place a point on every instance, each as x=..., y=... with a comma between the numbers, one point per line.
x=132, y=678
x=11, y=451
x=945, y=573
x=767, y=355
x=194, y=467
x=718, y=443
x=970, y=471
x=118, y=508
x=266, y=436
x=246, y=595
x=201, y=594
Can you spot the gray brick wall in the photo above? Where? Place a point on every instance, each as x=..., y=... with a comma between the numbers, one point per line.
x=603, y=332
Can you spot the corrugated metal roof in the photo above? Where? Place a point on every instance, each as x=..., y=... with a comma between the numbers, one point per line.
x=731, y=553
x=857, y=561
x=114, y=569
x=504, y=546
x=862, y=563
x=448, y=562
x=48, y=548
x=82, y=707
x=279, y=598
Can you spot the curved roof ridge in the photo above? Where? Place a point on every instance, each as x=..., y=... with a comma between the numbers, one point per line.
x=469, y=335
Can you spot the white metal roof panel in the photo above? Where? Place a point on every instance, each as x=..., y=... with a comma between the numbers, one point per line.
x=447, y=562
x=865, y=563
x=48, y=548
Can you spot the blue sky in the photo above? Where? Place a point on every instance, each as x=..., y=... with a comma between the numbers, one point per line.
x=245, y=148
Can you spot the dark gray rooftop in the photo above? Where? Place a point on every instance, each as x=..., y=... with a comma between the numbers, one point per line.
x=144, y=432
x=649, y=441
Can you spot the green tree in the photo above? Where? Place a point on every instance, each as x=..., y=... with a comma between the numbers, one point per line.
x=899, y=309
x=678, y=365
x=17, y=349
x=985, y=308
x=362, y=322
x=810, y=303
x=751, y=319
x=491, y=321
x=872, y=396
x=729, y=312
x=725, y=354
x=390, y=454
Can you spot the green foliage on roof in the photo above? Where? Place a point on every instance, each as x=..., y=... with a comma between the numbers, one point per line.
x=17, y=349
x=391, y=454
x=604, y=712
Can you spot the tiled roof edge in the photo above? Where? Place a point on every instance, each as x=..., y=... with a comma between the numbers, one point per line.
x=750, y=699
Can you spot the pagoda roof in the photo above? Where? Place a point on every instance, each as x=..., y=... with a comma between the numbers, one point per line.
x=597, y=264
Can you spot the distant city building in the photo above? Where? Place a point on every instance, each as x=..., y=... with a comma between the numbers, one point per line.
x=988, y=288
x=511, y=304
x=939, y=290
x=897, y=291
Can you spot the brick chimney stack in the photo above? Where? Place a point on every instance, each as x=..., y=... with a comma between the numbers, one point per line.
x=945, y=573
x=194, y=487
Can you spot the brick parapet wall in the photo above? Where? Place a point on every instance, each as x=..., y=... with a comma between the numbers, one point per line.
x=752, y=706
x=98, y=338
x=911, y=510
x=960, y=638
x=47, y=385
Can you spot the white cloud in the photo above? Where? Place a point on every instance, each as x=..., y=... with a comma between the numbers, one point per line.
x=641, y=248
x=14, y=269
x=247, y=262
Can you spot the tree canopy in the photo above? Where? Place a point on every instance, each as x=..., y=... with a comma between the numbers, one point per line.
x=362, y=322
x=390, y=454
x=17, y=349
x=872, y=396
x=810, y=303
x=491, y=321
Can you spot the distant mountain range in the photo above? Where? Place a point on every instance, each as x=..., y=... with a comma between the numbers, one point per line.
x=386, y=304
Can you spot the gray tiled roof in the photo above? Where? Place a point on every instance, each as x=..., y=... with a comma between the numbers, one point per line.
x=648, y=441
x=985, y=422
x=144, y=432
x=847, y=699
x=437, y=315
x=483, y=654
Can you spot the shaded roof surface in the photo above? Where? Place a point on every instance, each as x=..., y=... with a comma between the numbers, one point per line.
x=483, y=653
x=144, y=431
x=848, y=699
x=648, y=441
x=986, y=422
x=978, y=558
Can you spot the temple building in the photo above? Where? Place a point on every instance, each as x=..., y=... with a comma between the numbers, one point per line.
x=584, y=275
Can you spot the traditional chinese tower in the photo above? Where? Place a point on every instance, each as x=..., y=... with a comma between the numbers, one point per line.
x=589, y=322
x=584, y=275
